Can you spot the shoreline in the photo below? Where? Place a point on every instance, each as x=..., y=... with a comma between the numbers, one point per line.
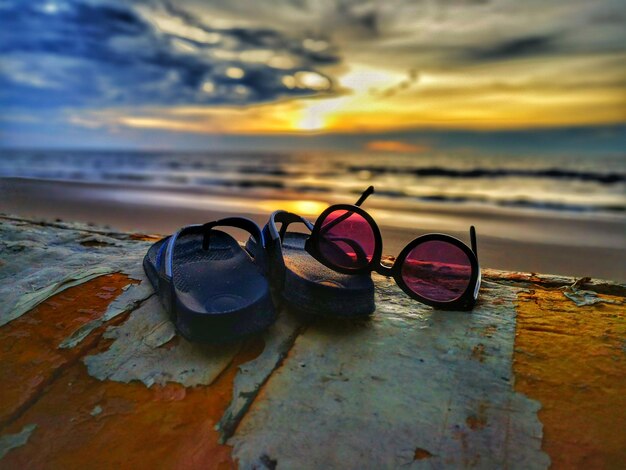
x=546, y=242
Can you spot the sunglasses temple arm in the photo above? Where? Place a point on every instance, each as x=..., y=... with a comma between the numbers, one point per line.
x=473, y=240
x=367, y=193
x=331, y=224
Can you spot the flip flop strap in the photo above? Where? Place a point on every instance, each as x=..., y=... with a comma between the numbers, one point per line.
x=285, y=219
x=273, y=239
x=163, y=263
x=257, y=250
x=168, y=255
x=167, y=251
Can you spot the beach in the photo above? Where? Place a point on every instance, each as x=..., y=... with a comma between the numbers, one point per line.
x=549, y=242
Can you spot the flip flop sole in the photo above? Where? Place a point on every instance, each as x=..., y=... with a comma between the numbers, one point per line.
x=317, y=290
x=219, y=294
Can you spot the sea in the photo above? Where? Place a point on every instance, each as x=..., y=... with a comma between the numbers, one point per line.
x=568, y=183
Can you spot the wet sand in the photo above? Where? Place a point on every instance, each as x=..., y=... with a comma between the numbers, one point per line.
x=518, y=240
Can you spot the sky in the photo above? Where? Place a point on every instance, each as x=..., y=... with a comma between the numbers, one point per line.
x=382, y=76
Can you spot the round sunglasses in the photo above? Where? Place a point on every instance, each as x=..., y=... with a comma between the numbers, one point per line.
x=435, y=269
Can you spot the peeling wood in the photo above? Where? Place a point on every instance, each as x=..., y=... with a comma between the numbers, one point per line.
x=29, y=300
x=166, y=426
x=135, y=353
x=518, y=383
x=134, y=294
x=12, y=441
x=41, y=261
x=74, y=226
x=252, y=376
x=421, y=454
x=583, y=297
x=29, y=360
x=552, y=281
x=429, y=389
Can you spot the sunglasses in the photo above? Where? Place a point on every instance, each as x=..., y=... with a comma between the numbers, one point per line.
x=435, y=269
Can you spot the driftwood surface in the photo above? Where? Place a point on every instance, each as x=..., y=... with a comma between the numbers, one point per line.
x=94, y=375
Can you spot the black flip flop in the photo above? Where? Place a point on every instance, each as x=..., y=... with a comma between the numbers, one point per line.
x=213, y=289
x=306, y=285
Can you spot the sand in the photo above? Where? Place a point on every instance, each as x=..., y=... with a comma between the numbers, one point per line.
x=546, y=242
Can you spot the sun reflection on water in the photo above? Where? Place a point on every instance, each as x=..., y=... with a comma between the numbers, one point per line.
x=302, y=207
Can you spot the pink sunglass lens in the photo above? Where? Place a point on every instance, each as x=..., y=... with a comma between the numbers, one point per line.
x=437, y=270
x=347, y=240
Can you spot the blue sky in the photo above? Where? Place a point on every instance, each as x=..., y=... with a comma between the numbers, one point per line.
x=311, y=74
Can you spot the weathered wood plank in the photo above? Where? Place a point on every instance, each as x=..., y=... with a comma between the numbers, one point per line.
x=411, y=378
x=528, y=378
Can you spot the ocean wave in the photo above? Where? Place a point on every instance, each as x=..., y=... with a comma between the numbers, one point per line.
x=541, y=185
x=521, y=203
x=553, y=173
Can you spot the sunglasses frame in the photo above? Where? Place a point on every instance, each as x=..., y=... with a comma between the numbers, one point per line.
x=465, y=301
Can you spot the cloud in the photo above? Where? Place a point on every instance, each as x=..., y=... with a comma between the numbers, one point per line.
x=403, y=85
x=398, y=64
x=395, y=146
x=86, y=53
x=530, y=46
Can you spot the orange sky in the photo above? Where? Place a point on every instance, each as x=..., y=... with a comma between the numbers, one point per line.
x=341, y=66
x=488, y=100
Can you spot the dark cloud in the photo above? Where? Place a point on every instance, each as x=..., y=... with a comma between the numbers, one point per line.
x=513, y=49
x=250, y=38
x=367, y=20
x=84, y=53
x=411, y=79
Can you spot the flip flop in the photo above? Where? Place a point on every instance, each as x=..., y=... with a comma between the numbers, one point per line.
x=213, y=289
x=306, y=285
